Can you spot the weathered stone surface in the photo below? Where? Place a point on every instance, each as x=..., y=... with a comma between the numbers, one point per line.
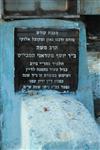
x=56, y=122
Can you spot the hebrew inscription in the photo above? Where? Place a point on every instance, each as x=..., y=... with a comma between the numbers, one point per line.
x=46, y=58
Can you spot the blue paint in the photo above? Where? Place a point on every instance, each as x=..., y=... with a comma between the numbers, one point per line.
x=82, y=145
x=9, y=98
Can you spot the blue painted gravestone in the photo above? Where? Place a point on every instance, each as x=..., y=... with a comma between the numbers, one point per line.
x=40, y=55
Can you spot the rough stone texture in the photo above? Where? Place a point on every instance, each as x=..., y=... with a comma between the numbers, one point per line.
x=1, y=115
x=51, y=121
x=0, y=132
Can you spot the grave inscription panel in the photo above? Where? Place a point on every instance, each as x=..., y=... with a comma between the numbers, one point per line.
x=46, y=58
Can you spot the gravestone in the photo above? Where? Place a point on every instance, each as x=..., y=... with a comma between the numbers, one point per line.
x=42, y=55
